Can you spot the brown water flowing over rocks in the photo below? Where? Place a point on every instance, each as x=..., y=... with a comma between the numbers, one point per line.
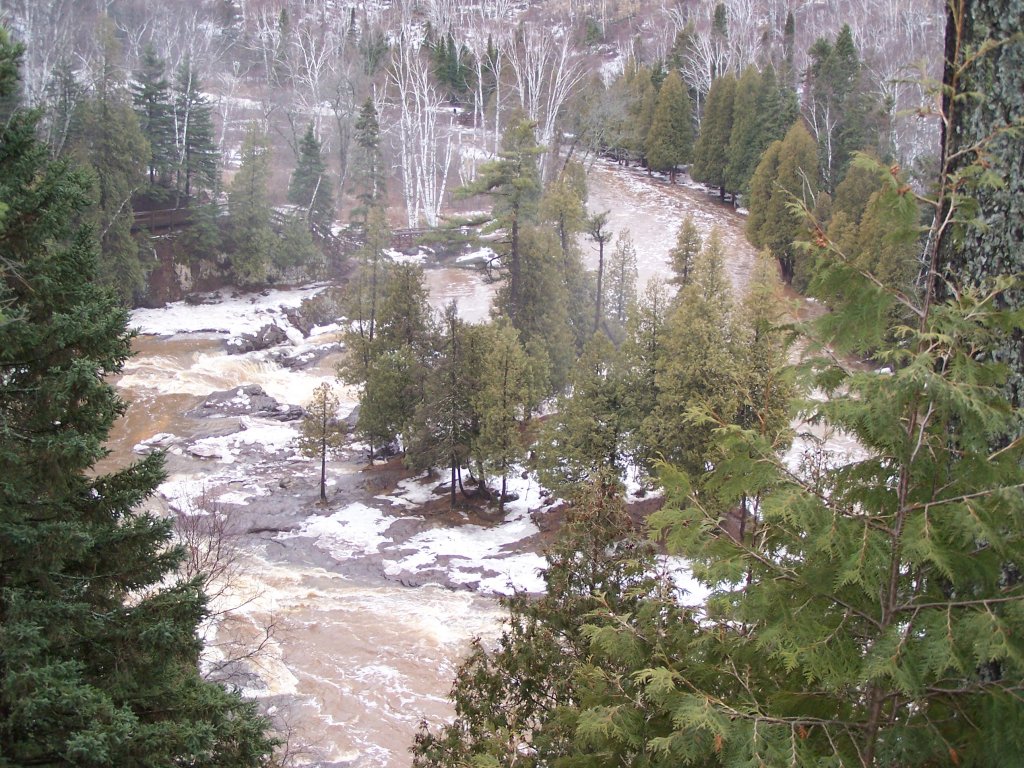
x=360, y=611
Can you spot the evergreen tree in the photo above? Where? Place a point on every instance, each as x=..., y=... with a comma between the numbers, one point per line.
x=393, y=366
x=746, y=136
x=786, y=174
x=670, y=139
x=368, y=176
x=836, y=104
x=193, y=120
x=622, y=276
x=310, y=187
x=642, y=351
x=711, y=152
x=151, y=95
x=108, y=141
x=446, y=423
x=510, y=389
x=586, y=436
x=320, y=432
x=253, y=239
x=513, y=180
x=98, y=648
x=699, y=367
x=598, y=231
x=517, y=704
x=688, y=245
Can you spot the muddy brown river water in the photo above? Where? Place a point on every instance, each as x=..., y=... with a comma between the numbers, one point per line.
x=355, y=660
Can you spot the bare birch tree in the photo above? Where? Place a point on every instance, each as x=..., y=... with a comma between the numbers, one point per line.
x=547, y=69
x=425, y=145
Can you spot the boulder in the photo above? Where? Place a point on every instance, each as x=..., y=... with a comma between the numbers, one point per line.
x=268, y=336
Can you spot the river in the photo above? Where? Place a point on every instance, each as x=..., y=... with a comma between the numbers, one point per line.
x=366, y=626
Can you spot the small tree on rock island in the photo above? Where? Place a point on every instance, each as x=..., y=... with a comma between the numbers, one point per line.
x=321, y=433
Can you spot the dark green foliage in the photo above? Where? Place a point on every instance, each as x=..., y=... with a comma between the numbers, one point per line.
x=786, y=177
x=151, y=95
x=98, y=648
x=253, y=240
x=513, y=180
x=310, y=187
x=836, y=105
x=196, y=167
x=763, y=110
x=585, y=438
x=107, y=141
x=669, y=141
x=445, y=424
x=453, y=67
x=711, y=152
x=368, y=176
x=518, y=704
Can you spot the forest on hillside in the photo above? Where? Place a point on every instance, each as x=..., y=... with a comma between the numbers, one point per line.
x=864, y=611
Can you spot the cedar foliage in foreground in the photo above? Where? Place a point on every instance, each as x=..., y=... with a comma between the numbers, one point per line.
x=872, y=611
x=98, y=646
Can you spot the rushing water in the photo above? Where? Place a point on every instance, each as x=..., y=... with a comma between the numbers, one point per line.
x=354, y=661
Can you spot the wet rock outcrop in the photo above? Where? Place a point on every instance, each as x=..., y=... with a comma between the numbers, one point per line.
x=247, y=400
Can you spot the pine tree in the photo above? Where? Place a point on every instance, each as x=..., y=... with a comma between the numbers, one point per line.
x=99, y=652
x=513, y=180
x=670, y=139
x=711, y=152
x=320, y=430
x=196, y=166
x=253, y=239
x=310, y=187
x=151, y=95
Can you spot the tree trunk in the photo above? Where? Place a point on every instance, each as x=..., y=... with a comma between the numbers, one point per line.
x=323, y=471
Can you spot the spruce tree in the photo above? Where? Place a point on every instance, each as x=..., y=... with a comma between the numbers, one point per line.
x=669, y=141
x=620, y=288
x=151, y=95
x=252, y=237
x=310, y=187
x=98, y=647
x=196, y=167
x=368, y=178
